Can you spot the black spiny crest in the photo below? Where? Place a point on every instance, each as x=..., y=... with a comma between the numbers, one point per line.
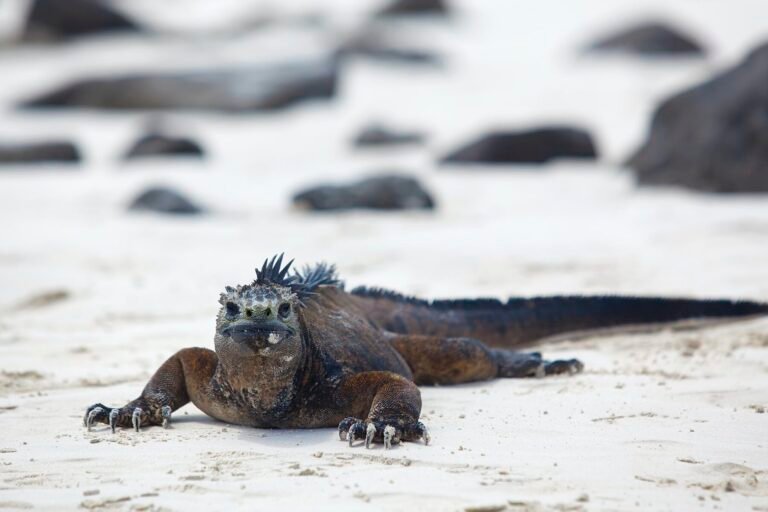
x=272, y=273
x=302, y=283
x=310, y=278
x=444, y=304
x=383, y=293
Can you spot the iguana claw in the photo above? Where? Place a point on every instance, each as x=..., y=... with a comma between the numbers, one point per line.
x=370, y=431
x=135, y=415
x=351, y=429
x=113, y=414
x=166, y=412
x=425, y=433
x=386, y=432
x=136, y=419
x=569, y=366
x=91, y=415
x=389, y=433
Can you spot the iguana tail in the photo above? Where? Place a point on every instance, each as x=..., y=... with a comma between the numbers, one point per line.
x=522, y=321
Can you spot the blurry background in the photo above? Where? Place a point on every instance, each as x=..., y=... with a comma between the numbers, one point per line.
x=272, y=97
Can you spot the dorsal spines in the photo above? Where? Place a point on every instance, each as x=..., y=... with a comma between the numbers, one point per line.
x=272, y=272
x=311, y=277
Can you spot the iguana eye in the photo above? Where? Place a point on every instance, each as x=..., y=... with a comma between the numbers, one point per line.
x=232, y=308
x=284, y=310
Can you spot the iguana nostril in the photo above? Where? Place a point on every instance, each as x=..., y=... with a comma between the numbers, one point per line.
x=268, y=312
x=248, y=312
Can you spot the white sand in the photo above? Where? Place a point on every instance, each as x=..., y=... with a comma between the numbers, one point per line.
x=664, y=421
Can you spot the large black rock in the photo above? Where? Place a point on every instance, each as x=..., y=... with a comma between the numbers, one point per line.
x=714, y=136
x=526, y=147
x=248, y=89
x=164, y=200
x=408, y=7
x=652, y=38
x=156, y=144
x=54, y=20
x=41, y=152
x=386, y=192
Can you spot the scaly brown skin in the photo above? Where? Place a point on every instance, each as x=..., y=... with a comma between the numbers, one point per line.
x=300, y=352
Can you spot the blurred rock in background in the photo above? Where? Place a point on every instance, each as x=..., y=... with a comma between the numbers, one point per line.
x=714, y=136
x=55, y=20
x=39, y=152
x=376, y=45
x=650, y=38
x=164, y=200
x=532, y=146
x=379, y=135
x=383, y=192
x=159, y=144
x=410, y=7
x=233, y=90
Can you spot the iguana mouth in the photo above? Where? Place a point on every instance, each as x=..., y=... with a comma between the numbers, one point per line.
x=261, y=334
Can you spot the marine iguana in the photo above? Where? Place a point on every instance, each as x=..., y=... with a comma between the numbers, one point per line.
x=298, y=351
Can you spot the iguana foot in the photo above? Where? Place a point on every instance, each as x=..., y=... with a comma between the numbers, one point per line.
x=136, y=414
x=530, y=364
x=569, y=366
x=387, y=432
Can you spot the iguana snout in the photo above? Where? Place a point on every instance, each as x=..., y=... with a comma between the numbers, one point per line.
x=258, y=333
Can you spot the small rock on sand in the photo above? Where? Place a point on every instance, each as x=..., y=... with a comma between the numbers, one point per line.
x=385, y=192
x=374, y=46
x=410, y=7
x=533, y=146
x=376, y=135
x=250, y=88
x=55, y=20
x=651, y=38
x=39, y=152
x=164, y=200
x=157, y=144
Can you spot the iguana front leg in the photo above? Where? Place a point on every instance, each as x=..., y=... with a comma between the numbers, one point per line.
x=183, y=377
x=390, y=404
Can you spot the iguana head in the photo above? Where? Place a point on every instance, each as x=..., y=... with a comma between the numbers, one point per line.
x=264, y=316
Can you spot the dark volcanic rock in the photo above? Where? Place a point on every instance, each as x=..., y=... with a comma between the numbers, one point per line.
x=533, y=146
x=652, y=38
x=39, y=153
x=248, y=89
x=370, y=45
x=54, y=20
x=164, y=200
x=386, y=192
x=156, y=144
x=376, y=136
x=714, y=136
x=407, y=7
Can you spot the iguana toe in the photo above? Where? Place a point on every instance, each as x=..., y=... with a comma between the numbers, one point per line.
x=423, y=432
x=350, y=429
x=370, y=432
x=560, y=366
x=136, y=419
x=166, y=413
x=389, y=433
x=93, y=414
x=113, y=414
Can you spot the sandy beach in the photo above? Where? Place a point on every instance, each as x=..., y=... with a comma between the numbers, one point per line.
x=94, y=298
